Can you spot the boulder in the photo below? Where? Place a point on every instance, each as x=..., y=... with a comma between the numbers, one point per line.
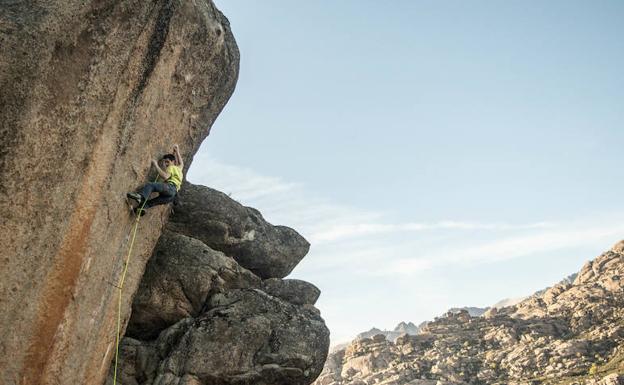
x=139, y=361
x=238, y=231
x=295, y=291
x=244, y=337
x=180, y=276
x=91, y=90
x=379, y=338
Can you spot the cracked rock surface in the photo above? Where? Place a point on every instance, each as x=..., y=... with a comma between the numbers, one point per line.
x=238, y=231
x=201, y=318
x=182, y=273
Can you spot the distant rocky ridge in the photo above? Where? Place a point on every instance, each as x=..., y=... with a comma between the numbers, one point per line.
x=508, y=302
x=411, y=328
x=400, y=329
x=408, y=328
x=212, y=307
x=570, y=333
x=473, y=311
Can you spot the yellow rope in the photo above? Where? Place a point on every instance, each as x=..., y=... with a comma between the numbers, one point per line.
x=121, y=283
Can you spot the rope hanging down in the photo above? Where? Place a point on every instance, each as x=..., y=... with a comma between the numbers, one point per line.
x=121, y=284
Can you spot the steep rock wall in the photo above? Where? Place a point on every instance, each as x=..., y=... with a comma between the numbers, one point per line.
x=91, y=90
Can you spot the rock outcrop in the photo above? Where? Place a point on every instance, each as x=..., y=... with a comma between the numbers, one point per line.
x=391, y=335
x=295, y=291
x=571, y=333
x=201, y=318
x=181, y=275
x=238, y=231
x=473, y=311
x=90, y=91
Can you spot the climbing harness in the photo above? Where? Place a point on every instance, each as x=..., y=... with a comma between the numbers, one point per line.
x=121, y=283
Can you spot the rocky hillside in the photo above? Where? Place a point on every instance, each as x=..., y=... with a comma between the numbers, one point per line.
x=212, y=307
x=473, y=311
x=399, y=330
x=571, y=333
x=90, y=91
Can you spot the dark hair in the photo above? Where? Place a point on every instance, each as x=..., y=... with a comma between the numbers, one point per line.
x=171, y=157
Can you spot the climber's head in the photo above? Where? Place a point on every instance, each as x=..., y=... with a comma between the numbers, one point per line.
x=168, y=160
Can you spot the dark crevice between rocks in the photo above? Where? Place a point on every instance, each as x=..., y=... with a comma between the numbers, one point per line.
x=156, y=43
x=154, y=47
x=274, y=342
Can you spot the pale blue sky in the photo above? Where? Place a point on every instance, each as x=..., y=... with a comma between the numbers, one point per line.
x=435, y=153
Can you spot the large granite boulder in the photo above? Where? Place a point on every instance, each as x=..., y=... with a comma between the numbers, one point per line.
x=244, y=337
x=238, y=231
x=200, y=318
x=90, y=90
x=180, y=276
x=295, y=291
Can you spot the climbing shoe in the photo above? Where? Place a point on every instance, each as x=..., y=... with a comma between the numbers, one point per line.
x=136, y=196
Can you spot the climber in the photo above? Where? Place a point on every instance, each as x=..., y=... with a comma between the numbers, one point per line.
x=166, y=190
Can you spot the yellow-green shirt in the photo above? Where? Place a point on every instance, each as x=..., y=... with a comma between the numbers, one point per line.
x=175, y=176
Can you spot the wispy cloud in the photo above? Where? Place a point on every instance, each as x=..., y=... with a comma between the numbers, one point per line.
x=354, y=248
x=242, y=183
x=365, y=235
x=569, y=236
x=333, y=233
x=320, y=220
x=280, y=201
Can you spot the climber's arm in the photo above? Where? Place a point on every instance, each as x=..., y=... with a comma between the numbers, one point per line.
x=163, y=174
x=176, y=153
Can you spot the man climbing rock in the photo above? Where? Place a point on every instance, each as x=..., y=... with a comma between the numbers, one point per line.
x=167, y=190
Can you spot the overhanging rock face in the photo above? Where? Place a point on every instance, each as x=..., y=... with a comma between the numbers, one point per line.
x=238, y=231
x=90, y=91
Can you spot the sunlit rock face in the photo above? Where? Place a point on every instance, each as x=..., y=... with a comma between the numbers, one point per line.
x=571, y=333
x=199, y=317
x=90, y=91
